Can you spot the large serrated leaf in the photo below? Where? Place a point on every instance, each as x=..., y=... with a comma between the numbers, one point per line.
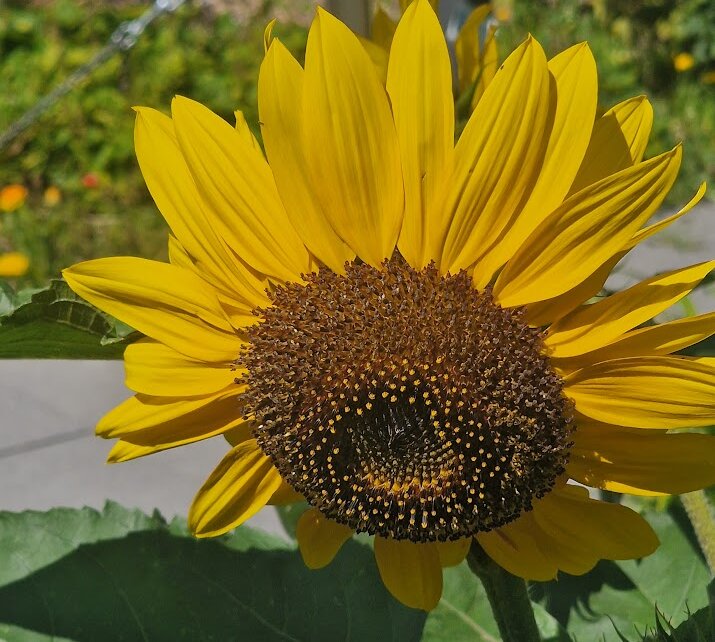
x=7, y=298
x=56, y=323
x=464, y=614
x=85, y=576
x=618, y=600
x=674, y=578
x=697, y=628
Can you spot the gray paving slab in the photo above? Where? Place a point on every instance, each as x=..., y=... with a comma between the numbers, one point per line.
x=43, y=399
x=687, y=241
x=49, y=455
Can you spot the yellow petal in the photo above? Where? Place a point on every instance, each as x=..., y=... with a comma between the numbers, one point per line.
x=498, y=157
x=268, y=35
x=574, y=108
x=488, y=65
x=144, y=420
x=13, y=264
x=619, y=140
x=237, y=489
x=646, y=392
x=467, y=48
x=410, y=571
x=543, y=312
x=192, y=223
x=243, y=130
x=178, y=255
x=240, y=433
x=379, y=57
x=235, y=180
x=124, y=451
x=239, y=316
x=581, y=530
x=453, y=553
x=285, y=495
x=661, y=339
x=646, y=232
x=280, y=91
x=164, y=302
x=419, y=82
x=319, y=538
x=383, y=29
x=586, y=231
x=153, y=368
x=238, y=310
x=515, y=548
x=406, y=3
x=641, y=462
x=350, y=141
x=567, y=531
x=594, y=326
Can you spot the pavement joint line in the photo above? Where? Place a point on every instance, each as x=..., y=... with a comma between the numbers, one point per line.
x=44, y=442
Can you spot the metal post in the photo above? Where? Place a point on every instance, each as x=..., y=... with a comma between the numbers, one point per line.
x=354, y=13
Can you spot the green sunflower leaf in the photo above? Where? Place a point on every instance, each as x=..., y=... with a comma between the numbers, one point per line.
x=697, y=628
x=290, y=514
x=464, y=614
x=7, y=298
x=56, y=323
x=85, y=576
x=619, y=600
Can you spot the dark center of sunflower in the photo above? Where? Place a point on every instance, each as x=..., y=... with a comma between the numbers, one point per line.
x=404, y=403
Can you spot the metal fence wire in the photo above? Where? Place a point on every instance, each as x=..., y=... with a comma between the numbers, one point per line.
x=123, y=38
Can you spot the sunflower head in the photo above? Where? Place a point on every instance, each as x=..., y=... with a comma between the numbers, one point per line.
x=416, y=408
x=400, y=329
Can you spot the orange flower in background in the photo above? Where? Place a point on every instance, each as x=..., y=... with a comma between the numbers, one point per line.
x=52, y=196
x=90, y=180
x=13, y=264
x=683, y=61
x=12, y=197
x=503, y=10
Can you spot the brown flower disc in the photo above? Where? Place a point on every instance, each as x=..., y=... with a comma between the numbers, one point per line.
x=404, y=403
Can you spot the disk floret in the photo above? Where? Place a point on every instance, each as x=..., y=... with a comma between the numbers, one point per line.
x=404, y=403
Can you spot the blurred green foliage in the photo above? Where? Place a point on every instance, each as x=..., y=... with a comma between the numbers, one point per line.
x=84, y=145
x=635, y=44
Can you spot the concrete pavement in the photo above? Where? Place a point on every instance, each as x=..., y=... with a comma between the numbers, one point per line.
x=49, y=455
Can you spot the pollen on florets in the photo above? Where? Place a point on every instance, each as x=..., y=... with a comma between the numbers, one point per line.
x=405, y=403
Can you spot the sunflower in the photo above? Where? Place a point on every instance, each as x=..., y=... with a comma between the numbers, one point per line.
x=475, y=52
x=397, y=329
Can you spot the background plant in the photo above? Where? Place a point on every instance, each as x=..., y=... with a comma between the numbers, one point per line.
x=83, y=149
x=635, y=45
x=84, y=146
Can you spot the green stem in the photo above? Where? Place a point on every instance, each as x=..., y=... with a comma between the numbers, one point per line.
x=697, y=506
x=508, y=598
